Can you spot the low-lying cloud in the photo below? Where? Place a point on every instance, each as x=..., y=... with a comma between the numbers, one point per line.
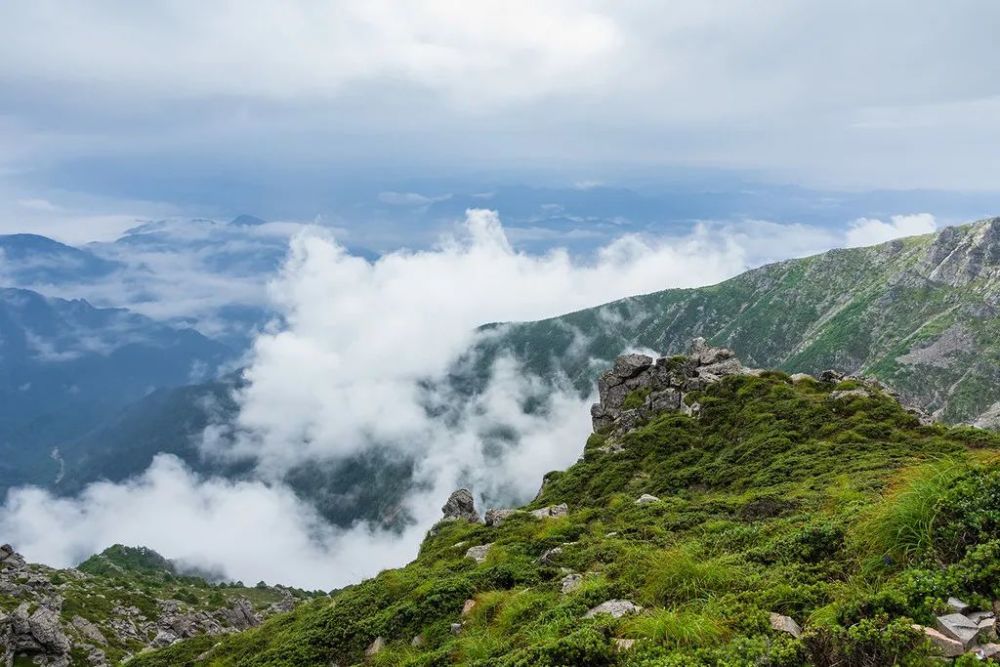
x=354, y=363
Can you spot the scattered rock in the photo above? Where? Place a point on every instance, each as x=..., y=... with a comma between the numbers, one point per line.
x=478, y=553
x=646, y=498
x=616, y=608
x=495, y=517
x=958, y=626
x=800, y=377
x=946, y=645
x=623, y=645
x=88, y=630
x=571, y=582
x=831, y=376
x=461, y=505
x=551, y=512
x=417, y=641
x=783, y=623
x=549, y=556
x=841, y=394
x=456, y=628
x=375, y=647
x=987, y=651
x=467, y=608
x=957, y=605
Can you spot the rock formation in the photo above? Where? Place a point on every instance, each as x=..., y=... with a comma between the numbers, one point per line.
x=461, y=505
x=639, y=386
x=39, y=631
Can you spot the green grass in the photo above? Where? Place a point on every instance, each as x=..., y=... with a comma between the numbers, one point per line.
x=847, y=515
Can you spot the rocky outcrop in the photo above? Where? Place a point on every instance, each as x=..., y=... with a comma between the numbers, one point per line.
x=639, y=386
x=36, y=631
x=461, y=506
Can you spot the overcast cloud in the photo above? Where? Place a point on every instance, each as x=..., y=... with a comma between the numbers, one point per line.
x=164, y=101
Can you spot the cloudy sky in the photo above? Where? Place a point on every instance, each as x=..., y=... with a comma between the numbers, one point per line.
x=111, y=110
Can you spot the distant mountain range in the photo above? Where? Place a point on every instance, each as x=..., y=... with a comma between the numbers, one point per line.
x=66, y=367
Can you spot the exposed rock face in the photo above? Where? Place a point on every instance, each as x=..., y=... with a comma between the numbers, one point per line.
x=639, y=386
x=461, y=506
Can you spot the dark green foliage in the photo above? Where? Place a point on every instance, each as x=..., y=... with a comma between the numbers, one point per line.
x=847, y=515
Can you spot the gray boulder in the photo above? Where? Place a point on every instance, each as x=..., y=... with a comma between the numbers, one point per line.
x=646, y=499
x=461, y=505
x=785, y=624
x=615, y=608
x=495, y=516
x=478, y=553
x=551, y=512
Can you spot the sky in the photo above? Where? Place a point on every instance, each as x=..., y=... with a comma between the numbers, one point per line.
x=626, y=148
x=360, y=113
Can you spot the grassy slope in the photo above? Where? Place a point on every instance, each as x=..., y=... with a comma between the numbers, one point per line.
x=847, y=515
x=855, y=310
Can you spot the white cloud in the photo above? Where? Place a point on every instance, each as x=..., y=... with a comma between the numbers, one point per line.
x=871, y=231
x=345, y=372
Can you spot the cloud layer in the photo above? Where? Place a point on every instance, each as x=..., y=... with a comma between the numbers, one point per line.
x=353, y=365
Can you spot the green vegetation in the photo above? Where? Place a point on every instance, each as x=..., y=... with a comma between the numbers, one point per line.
x=847, y=515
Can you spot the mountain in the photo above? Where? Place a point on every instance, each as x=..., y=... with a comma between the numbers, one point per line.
x=719, y=515
x=119, y=603
x=66, y=367
x=30, y=259
x=921, y=314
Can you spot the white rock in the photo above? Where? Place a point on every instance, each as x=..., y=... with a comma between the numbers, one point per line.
x=478, y=553
x=783, y=623
x=949, y=647
x=646, y=498
x=616, y=608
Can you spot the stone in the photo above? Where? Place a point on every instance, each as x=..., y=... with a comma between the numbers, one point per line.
x=88, y=630
x=551, y=512
x=467, y=608
x=615, y=608
x=623, y=645
x=630, y=365
x=646, y=499
x=787, y=624
x=461, y=505
x=456, y=628
x=661, y=401
x=841, y=394
x=831, y=376
x=800, y=377
x=957, y=627
x=707, y=355
x=570, y=582
x=417, y=641
x=549, y=556
x=985, y=651
x=375, y=647
x=957, y=605
x=978, y=616
x=948, y=647
x=241, y=614
x=478, y=553
x=495, y=517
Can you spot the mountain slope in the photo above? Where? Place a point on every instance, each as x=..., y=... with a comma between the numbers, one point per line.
x=922, y=314
x=66, y=366
x=698, y=530
x=116, y=604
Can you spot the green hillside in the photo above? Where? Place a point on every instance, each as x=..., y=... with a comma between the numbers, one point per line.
x=922, y=314
x=825, y=502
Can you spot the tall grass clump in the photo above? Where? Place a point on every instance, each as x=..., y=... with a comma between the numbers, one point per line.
x=679, y=628
x=901, y=527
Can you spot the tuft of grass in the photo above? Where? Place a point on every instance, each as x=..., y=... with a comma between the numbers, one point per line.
x=679, y=628
x=682, y=574
x=901, y=527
